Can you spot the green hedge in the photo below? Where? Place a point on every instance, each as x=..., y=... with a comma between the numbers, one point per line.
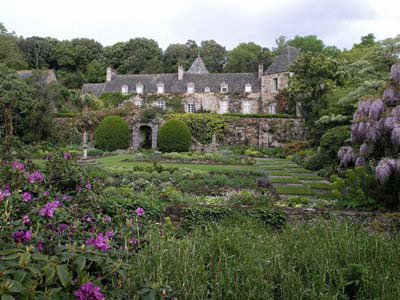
x=174, y=136
x=260, y=116
x=113, y=99
x=112, y=134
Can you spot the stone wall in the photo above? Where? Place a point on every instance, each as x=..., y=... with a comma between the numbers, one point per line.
x=264, y=132
x=267, y=90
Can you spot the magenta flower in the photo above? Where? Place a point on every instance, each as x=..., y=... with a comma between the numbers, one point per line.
x=100, y=242
x=22, y=236
x=26, y=197
x=4, y=194
x=18, y=166
x=46, y=193
x=26, y=220
x=109, y=234
x=89, y=291
x=107, y=219
x=49, y=209
x=133, y=241
x=139, y=211
x=37, y=176
x=62, y=227
x=88, y=186
x=67, y=156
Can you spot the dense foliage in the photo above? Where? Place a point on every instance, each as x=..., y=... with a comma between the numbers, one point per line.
x=112, y=134
x=174, y=136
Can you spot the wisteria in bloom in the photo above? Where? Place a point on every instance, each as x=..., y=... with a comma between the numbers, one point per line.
x=395, y=73
x=49, y=209
x=18, y=166
x=383, y=170
x=22, y=236
x=26, y=197
x=360, y=162
x=373, y=133
x=396, y=113
x=67, y=156
x=376, y=109
x=4, y=194
x=89, y=291
x=363, y=109
x=395, y=136
x=389, y=123
x=100, y=242
x=139, y=211
x=366, y=149
x=346, y=156
x=391, y=96
x=35, y=177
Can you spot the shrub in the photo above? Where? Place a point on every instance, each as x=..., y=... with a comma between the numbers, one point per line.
x=149, y=114
x=332, y=140
x=112, y=134
x=174, y=136
x=292, y=148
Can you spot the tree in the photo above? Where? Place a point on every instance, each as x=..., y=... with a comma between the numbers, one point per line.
x=15, y=99
x=36, y=51
x=281, y=43
x=366, y=41
x=10, y=55
x=213, y=55
x=309, y=43
x=96, y=71
x=246, y=58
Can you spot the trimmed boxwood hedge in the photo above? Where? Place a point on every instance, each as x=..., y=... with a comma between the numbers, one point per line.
x=112, y=134
x=174, y=136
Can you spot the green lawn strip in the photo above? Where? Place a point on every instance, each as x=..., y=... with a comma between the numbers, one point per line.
x=320, y=186
x=116, y=163
x=294, y=190
x=279, y=173
x=285, y=180
x=307, y=177
x=298, y=170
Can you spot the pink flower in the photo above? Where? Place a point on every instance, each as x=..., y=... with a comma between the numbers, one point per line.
x=100, y=242
x=132, y=240
x=88, y=186
x=49, y=209
x=26, y=220
x=109, y=234
x=89, y=291
x=67, y=156
x=46, y=193
x=107, y=219
x=139, y=211
x=22, y=236
x=18, y=166
x=4, y=194
x=26, y=197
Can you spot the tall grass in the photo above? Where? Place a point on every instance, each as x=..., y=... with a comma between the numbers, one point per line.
x=242, y=259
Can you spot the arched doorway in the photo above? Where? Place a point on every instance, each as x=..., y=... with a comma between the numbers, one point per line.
x=145, y=137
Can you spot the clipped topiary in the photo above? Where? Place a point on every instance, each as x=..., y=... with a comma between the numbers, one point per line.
x=174, y=136
x=112, y=134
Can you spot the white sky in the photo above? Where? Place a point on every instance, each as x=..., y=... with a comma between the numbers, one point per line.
x=229, y=22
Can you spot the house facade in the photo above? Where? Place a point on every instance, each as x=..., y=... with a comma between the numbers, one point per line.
x=199, y=90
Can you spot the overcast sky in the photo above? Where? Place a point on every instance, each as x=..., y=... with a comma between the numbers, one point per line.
x=229, y=22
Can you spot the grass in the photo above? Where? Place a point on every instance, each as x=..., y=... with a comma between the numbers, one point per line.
x=320, y=186
x=294, y=190
x=279, y=173
x=299, y=170
x=242, y=259
x=308, y=177
x=285, y=180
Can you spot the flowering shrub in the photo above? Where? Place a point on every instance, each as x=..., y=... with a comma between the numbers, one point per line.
x=56, y=240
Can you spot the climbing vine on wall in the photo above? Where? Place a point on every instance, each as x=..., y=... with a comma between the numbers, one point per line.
x=173, y=102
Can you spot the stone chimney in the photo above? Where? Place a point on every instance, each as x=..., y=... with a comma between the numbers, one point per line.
x=181, y=71
x=260, y=70
x=110, y=74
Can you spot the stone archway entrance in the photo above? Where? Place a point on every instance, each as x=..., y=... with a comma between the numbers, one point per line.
x=144, y=135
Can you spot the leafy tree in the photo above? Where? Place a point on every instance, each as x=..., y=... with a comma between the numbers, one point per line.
x=15, y=99
x=96, y=71
x=36, y=51
x=213, y=55
x=246, y=58
x=10, y=54
x=309, y=43
x=368, y=40
x=178, y=54
x=281, y=43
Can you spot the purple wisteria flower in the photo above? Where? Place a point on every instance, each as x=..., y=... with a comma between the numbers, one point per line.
x=366, y=149
x=360, y=162
x=26, y=197
x=18, y=166
x=100, y=242
x=89, y=291
x=49, y=209
x=139, y=212
x=376, y=109
x=22, y=236
x=67, y=156
x=385, y=168
x=389, y=123
x=395, y=136
x=346, y=156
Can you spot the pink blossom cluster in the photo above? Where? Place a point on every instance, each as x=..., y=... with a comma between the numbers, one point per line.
x=100, y=242
x=18, y=166
x=22, y=236
x=35, y=177
x=89, y=291
x=49, y=209
x=4, y=194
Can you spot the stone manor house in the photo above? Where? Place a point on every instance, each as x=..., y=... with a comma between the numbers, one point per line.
x=246, y=93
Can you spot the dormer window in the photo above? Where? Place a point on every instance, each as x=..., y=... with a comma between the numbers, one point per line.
x=190, y=88
x=139, y=88
x=224, y=87
x=207, y=89
x=247, y=88
x=124, y=89
x=139, y=103
x=160, y=88
x=275, y=84
x=161, y=104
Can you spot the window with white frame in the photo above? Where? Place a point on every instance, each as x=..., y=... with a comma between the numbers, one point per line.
x=223, y=107
x=275, y=84
x=139, y=88
x=124, y=89
x=191, y=108
x=207, y=89
x=246, y=107
x=190, y=88
x=139, y=103
x=272, y=108
x=247, y=88
x=161, y=104
x=160, y=88
x=224, y=87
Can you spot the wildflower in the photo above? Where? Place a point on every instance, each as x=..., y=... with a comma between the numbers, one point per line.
x=46, y=193
x=5, y=162
x=18, y=166
x=109, y=234
x=38, y=176
x=78, y=188
x=39, y=246
x=67, y=156
x=89, y=291
x=132, y=240
x=62, y=227
x=49, y=209
x=4, y=194
x=100, y=242
x=88, y=186
x=22, y=236
x=26, y=220
x=26, y=197
x=107, y=219
x=139, y=211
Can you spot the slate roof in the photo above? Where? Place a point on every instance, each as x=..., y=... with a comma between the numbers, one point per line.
x=283, y=61
x=198, y=67
x=46, y=76
x=236, y=83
